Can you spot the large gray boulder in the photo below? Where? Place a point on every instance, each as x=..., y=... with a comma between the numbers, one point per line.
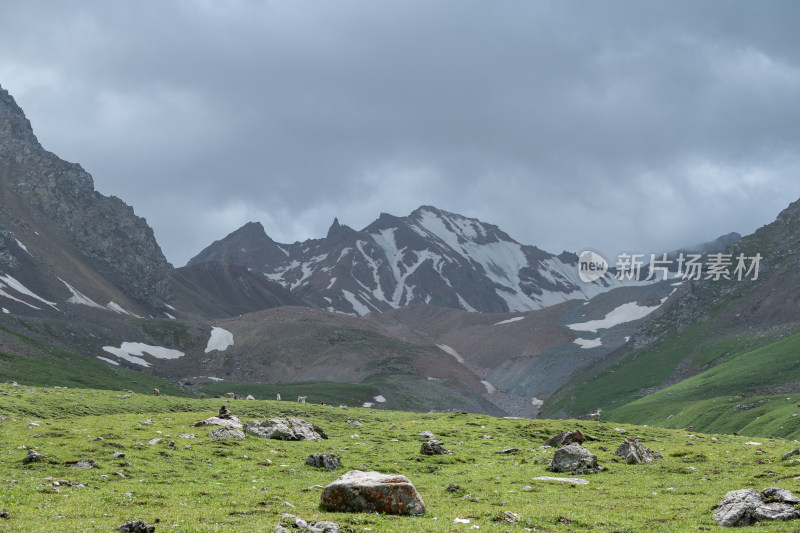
x=576, y=459
x=634, y=452
x=372, y=492
x=285, y=429
x=745, y=507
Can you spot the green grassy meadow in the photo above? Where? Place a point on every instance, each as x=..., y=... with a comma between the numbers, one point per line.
x=196, y=484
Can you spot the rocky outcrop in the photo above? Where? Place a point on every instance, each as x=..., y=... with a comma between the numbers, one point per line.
x=634, y=452
x=285, y=429
x=372, y=492
x=576, y=459
x=745, y=507
x=102, y=228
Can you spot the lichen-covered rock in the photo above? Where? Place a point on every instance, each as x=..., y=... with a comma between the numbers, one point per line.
x=634, y=452
x=576, y=459
x=285, y=429
x=372, y=492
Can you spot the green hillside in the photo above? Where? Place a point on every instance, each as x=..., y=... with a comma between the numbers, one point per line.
x=756, y=381
x=174, y=476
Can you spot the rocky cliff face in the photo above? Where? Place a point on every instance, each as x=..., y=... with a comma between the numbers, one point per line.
x=36, y=183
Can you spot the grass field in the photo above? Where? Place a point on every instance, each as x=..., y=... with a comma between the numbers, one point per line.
x=196, y=484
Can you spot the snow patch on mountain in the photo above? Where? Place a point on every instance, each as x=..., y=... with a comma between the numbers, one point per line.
x=509, y=321
x=107, y=360
x=9, y=282
x=221, y=339
x=25, y=248
x=78, y=298
x=114, y=306
x=133, y=352
x=627, y=312
x=447, y=349
x=589, y=343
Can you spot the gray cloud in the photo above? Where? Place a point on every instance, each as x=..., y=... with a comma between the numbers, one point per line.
x=615, y=125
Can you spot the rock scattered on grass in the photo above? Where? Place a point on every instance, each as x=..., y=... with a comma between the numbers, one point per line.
x=285, y=429
x=745, y=507
x=329, y=461
x=83, y=463
x=136, y=526
x=566, y=437
x=33, y=457
x=372, y=492
x=790, y=454
x=576, y=459
x=634, y=452
x=227, y=433
x=573, y=480
x=434, y=447
x=293, y=524
x=510, y=450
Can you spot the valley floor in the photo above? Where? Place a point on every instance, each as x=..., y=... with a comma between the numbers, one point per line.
x=173, y=476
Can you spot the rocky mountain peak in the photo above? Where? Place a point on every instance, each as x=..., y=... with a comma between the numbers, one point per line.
x=14, y=125
x=61, y=196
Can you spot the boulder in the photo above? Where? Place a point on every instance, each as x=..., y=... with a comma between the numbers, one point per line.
x=775, y=494
x=372, y=492
x=634, y=452
x=285, y=429
x=434, y=447
x=576, y=459
x=792, y=453
x=33, y=457
x=330, y=461
x=566, y=437
x=745, y=507
x=230, y=422
x=227, y=433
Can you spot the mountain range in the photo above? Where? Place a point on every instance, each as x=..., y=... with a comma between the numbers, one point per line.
x=429, y=311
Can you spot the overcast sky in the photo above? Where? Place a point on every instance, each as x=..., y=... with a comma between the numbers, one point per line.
x=611, y=125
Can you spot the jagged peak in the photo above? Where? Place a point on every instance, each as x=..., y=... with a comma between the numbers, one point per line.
x=13, y=122
x=339, y=231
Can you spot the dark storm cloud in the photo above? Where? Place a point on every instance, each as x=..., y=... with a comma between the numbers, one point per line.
x=615, y=125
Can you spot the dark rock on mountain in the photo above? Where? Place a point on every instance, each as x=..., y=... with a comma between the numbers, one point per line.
x=39, y=190
x=238, y=290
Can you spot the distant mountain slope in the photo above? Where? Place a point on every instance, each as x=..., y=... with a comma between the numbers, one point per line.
x=430, y=256
x=237, y=288
x=712, y=323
